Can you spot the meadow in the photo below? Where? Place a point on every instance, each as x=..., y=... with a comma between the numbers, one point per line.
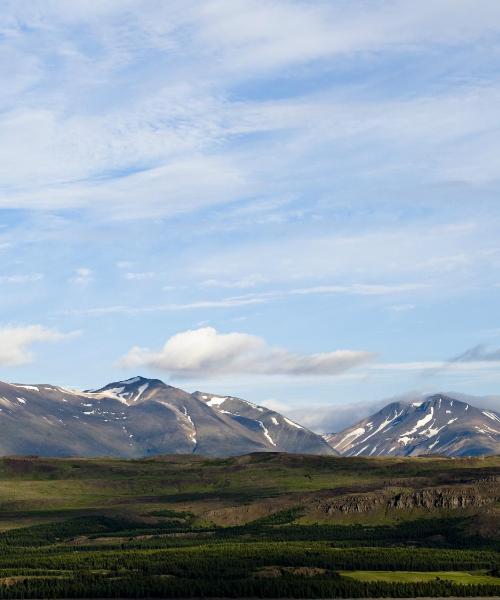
x=263, y=525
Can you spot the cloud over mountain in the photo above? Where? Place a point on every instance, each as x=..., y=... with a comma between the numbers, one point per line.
x=205, y=352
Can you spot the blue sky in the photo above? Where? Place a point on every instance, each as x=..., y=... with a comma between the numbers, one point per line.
x=296, y=202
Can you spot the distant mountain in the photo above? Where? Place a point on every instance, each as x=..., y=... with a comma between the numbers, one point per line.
x=438, y=425
x=282, y=433
x=140, y=417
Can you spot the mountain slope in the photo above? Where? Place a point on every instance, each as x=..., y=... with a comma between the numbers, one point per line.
x=438, y=425
x=280, y=432
x=134, y=418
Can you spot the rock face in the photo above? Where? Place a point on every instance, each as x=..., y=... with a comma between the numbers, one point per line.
x=447, y=498
x=438, y=425
x=427, y=499
x=140, y=417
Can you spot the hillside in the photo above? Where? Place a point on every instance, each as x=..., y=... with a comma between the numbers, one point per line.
x=265, y=524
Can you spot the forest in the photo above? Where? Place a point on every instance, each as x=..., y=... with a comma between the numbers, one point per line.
x=246, y=527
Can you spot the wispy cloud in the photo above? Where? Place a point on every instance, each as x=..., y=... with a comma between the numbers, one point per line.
x=171, y=145
x=479, y=353
x=247, y=299
x=197, y=159
x=21, y=278
x=82, y=276
x=140, y=276
x=153, y=308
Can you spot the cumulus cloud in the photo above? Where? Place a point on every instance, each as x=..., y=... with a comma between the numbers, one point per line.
x=205, y=352
x=16, y=342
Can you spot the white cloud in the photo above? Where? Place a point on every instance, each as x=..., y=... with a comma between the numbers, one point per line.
x=250, y=299
x=205, y=352
x=31, y=278
x=82, y=277
x=391, y=256
x=329, y=419
x=16, y=342
x=247, y=282
x=167, y=145
x=256, y=36
x=402, y=307
x=152, y=308
x=140, y=276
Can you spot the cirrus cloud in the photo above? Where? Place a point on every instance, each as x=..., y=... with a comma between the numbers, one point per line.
x=205, y=352
x=16, y=341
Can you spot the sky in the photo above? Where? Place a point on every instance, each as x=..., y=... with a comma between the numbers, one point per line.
x=296, y=202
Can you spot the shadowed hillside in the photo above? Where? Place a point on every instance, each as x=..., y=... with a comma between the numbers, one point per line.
x=256, y=525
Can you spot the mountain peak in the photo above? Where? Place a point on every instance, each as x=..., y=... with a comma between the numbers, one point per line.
x=139, y=417
x=130, y=390
x=435, y=424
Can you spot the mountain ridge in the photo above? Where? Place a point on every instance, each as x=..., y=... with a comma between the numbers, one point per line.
x=437, y=424
x=139, y=417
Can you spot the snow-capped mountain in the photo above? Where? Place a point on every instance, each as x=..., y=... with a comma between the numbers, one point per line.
x=141, y=417
x=282, y=433
x=437, y=425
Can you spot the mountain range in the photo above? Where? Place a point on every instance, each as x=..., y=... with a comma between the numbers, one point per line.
x=146, y=417
x=140, y=417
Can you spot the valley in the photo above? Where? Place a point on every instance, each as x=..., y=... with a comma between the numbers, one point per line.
x=258, y=525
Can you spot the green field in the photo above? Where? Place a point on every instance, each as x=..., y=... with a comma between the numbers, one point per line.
x=460, y=577
x=264, y=525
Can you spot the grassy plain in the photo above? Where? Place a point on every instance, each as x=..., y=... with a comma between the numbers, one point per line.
x=263, y=525
x=460, y=577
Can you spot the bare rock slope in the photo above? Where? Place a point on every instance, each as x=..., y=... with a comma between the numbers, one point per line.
x=140, y=417
x=438, y=425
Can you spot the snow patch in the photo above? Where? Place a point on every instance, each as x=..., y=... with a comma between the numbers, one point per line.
x=431, y=446
x=33, y=388
x=382, y=426
x=130, y=381
x=297, y=426
x=216, y=401
x=362, y=450
x=266, y=432
x=405, y=440
x=421, y=422
x=141, y=389
x=353, y=434
x=491, y=415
